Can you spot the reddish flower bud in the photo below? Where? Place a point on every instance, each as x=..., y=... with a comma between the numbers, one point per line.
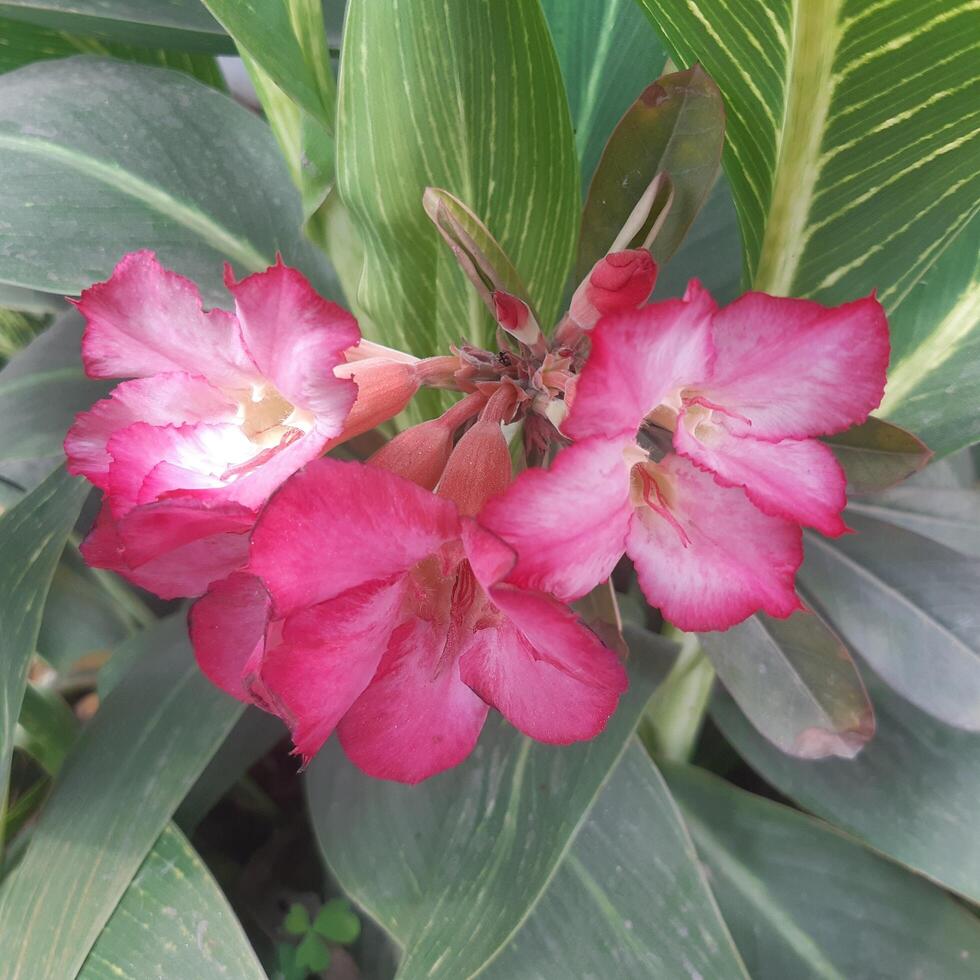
x=619, y=281
x=478, y=469
x=418, y=454
x=514, y=315
x=384, y=388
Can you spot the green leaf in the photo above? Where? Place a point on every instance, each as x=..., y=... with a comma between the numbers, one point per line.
x=469, y=852
x=630, y=899
x=468, y=98
x=677, y=127
x=85, y=135
x=172, y=921
x=263, y=31
x=608, y=53
x=182, y=25
x=949, y=515
x=911, y=793
x=796, y=683
x=48, y=727
x=933, y=385
x=338, y=922
x=30, y=300
x=312, y=953
x=297, y=920
x=42, y=388
x=758, y=854
x=876, y=455
x=22, y=43
x=924, y=636
x=119, y=786
x=32, y=537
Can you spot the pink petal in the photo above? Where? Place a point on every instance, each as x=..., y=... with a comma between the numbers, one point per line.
x=567, y=524
x=542, y=669
x=175, y=399
x=417, y=717
x=185, y=571
x=297, y=338
x=335, y=526
x=799, y=480
x=228, y=628
x=711, y=558
x=328, y=655
x=147, y=320
x=640, y=359
x=794, y=369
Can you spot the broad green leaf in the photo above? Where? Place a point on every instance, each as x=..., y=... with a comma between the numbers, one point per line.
x=182, y=25
x=852, y=145
x=609, y=53
x=631, y=898
x=796, y=683
x=263, y=31
x=22, y=43
x=677, y=127
x=469, y=98
x=46, y=727
x=471, y=851
x=117, y=790
x=876, y=455
x=41, y=390
x=791, y=889
x=908, y=606
x=949, y=515
x=165, y=162
x=911, y=793
x=933, y=386
x=172, y=922
x=32, y=537
x=30, y=300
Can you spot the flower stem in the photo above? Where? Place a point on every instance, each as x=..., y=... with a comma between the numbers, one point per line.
x=672, y=721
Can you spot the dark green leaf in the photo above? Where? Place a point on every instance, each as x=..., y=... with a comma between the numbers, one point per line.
x=32, y=537
x=337, y=922
x=119, y=786
x=608, y=53
x=262, y=30
x=911, y=793
x=908, y=606
x=796, y=683
x=469, y=852
x=629, y=900
x=46, y=727
x=172, y=922
x=877, y=455
x=677, y=127
x=468, y=98
x=792, y=890
x=165, y=162
x=183, y=25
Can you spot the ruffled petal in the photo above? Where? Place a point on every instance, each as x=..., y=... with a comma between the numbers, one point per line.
x=638, y=360
x=228, y=629
x=297, y=338
x=175, y=399
x=705, y=555
x=147, y=320
x=543, y=669
x=335, y=526
x=417, y=717
x=327, y=657
x=792, y=369
x=567, y=524
x=187, y=570
x=798, y=480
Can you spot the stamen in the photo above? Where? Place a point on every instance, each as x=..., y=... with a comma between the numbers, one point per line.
x=660, y=505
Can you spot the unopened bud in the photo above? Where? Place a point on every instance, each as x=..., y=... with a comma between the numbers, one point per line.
x=619, y=281
x=384, y=388
x=418, y=454
x=478, y=469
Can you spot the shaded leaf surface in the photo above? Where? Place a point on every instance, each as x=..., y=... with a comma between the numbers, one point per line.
x=876, y=455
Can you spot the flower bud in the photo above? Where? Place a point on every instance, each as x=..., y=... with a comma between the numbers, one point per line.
x=478, y=469
x=384, y=388
x=418, y=454
x=619, y=281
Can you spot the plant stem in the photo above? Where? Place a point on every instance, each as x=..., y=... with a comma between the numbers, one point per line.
x=672, y=722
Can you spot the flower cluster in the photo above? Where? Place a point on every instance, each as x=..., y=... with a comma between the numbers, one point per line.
x=396, y=600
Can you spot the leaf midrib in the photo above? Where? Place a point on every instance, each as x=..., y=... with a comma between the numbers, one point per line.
x=157, y=199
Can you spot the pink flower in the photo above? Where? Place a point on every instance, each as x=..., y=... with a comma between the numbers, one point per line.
x=221, y=409
x=377, y=608
x=695, y=453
